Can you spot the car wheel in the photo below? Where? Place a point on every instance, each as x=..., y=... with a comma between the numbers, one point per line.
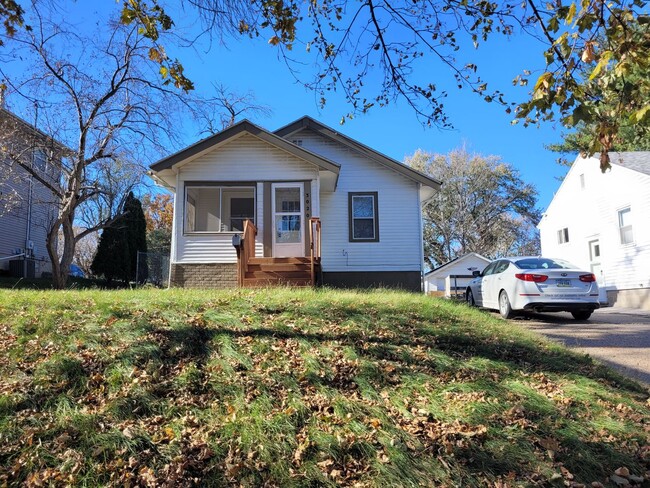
x=504, y=306
x=582, y=314
x=469, y=298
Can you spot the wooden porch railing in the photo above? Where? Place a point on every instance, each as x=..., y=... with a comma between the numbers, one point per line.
x=314, y=246
x=246, y=250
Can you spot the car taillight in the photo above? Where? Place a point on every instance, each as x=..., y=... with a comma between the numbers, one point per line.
x=588, y=278
x=536, y=278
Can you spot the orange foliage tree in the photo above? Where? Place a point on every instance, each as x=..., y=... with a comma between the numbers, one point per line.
x=159, y=214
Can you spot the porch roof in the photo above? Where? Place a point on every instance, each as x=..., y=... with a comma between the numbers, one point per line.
x=245, y=126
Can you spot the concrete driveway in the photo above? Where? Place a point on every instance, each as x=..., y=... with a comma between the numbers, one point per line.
x=618, y=337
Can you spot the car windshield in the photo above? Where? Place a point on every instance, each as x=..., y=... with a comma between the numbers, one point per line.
x=543, y=263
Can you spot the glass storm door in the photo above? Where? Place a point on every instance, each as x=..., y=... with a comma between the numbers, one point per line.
x=288, y=220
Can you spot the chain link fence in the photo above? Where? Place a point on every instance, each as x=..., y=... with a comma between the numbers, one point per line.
x=153, y=268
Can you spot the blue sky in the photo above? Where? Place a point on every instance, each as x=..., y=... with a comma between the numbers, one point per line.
x=245, y=65
x=252, y=65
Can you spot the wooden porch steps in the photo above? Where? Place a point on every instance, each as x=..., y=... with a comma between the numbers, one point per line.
x=255, y=271
x=278, y=272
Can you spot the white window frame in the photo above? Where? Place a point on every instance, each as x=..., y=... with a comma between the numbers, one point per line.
x=623, y=228
x=563, y=235
x=220, y=186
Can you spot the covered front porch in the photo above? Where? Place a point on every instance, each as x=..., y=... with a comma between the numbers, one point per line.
x=254, y=271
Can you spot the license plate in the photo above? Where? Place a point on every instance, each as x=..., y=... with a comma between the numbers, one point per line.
x=563, y=283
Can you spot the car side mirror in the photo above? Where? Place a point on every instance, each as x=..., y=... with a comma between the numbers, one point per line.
x=476, y=274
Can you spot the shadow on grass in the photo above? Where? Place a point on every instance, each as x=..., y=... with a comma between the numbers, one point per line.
x=193, y=341
x=401, y=343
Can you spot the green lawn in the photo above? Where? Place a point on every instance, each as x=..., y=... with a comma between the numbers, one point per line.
x=300, y=388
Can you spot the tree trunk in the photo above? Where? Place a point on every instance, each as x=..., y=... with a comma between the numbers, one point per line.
x=51, y=244
x=61, y=266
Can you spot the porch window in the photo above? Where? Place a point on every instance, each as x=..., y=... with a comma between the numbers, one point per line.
x=218, y=208
x=363, y=217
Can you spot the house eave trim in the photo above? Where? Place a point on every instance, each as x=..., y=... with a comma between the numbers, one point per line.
x=309, y=123
x=254, y=130
x=456, y=261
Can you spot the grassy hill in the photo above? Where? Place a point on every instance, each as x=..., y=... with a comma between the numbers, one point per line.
x=300, y=388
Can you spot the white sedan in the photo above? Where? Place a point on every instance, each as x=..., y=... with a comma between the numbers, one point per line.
x=534, y=284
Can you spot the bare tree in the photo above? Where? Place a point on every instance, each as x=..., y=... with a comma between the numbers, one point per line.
x=100, y=96
x=228, y=107
x=596, y=53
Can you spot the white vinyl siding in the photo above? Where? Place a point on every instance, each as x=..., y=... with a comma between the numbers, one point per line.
x=246, y=159
x=593, y=214
x=399, y=247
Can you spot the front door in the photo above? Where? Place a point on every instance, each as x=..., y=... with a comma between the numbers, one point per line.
x=288, y=220
x=594, y=260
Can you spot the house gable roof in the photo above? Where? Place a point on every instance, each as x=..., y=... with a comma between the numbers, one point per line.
x=35, y=131
x=307, y=122
x=634, y=160
x=456, y=261
x=236, y=130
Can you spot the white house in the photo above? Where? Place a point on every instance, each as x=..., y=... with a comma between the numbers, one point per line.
x=601, y=222
x=454, y=275
x=318, y=200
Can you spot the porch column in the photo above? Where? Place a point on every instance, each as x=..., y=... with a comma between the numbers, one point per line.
x=315, y=198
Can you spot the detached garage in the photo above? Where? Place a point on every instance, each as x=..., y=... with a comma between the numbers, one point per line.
x=452, y=278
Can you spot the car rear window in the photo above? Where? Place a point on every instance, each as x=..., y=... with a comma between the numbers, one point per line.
x=543, y=263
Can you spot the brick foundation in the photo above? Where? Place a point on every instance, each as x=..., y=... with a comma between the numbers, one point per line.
x=204, y=275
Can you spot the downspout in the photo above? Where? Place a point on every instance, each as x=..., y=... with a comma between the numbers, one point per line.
x=175, y=223
x=28, y=233
x=30, y=196
x=421, y=237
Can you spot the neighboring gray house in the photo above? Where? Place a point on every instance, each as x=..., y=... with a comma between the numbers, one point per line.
x=325, y=208
x=601, y=222
x=26, y=205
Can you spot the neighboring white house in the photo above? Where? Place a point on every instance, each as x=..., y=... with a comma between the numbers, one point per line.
x=601, y=222
x=369, y=205
x=454, y=275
